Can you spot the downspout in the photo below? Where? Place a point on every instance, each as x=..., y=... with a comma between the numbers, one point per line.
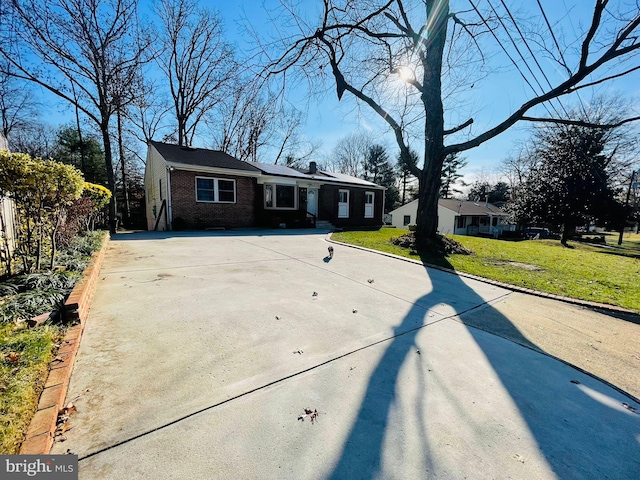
x=384, y=199
x=169, y=205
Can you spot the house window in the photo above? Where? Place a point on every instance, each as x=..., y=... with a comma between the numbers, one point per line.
x=343, y=204
x=461, y=222
x=368, y=204
x=226, y=191
x=215, y=190
x=406, y=220
x=278, y=196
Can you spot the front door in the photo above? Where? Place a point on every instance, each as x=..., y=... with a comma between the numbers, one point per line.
x=312, y=201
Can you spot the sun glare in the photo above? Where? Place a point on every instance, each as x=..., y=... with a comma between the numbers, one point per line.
x=406, y=74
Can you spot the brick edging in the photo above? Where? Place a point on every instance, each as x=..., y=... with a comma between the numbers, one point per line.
x=507, y=286
x=39, y=437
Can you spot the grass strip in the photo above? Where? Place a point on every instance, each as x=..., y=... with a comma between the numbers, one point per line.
x=605, y=274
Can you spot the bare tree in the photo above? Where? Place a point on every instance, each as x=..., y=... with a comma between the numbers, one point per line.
x=78, y=47
x=196, y=60
x=18, y=107
x=36, y=139
x=364, y=44
x=147, y=114
x=350, y=153
x=253, y=124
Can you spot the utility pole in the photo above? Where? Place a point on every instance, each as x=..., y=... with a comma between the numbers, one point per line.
x=626, y=204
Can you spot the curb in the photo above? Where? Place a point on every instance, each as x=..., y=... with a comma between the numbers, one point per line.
x=574, y=301
x=39, y=437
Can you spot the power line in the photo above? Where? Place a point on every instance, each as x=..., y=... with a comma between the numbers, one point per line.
x=515, y=64
x=531, y=51
x=564, y=62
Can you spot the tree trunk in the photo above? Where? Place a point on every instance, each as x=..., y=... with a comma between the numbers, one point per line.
x=104, y=127
x=566, y=230
x=434, y=153
x=125, y=190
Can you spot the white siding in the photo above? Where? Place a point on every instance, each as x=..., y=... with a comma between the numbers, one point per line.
x=446, y=217
x=397, y=215
x=446, y=220
x=155, y=170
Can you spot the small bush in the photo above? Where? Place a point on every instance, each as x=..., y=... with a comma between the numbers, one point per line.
x=58, y=280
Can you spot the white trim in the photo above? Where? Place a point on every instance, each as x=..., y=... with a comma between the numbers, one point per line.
x=371, y=205
x=216, y=189
x=266, y=179
x=215, y=170
x=348, y=192
x=169, y=204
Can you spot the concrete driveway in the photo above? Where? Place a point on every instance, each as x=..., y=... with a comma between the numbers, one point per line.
x=203, y=349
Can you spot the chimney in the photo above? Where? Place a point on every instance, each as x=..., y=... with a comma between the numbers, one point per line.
x=313, y=168
x=486, y=201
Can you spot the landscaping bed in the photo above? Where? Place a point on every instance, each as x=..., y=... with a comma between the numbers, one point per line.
x=586, y=272
x=26, y=352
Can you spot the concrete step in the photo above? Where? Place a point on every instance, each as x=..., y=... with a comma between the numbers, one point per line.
x=325, y=225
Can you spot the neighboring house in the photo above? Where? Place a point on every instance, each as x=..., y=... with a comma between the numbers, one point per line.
x=458, y=217
x=198, y=188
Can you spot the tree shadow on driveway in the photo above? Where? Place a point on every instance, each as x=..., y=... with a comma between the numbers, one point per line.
x=578, y=427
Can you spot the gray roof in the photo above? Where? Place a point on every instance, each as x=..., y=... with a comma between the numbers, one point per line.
x=201, y=157
x=464, y=207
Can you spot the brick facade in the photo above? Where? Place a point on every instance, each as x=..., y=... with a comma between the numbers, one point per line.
x=200, y=215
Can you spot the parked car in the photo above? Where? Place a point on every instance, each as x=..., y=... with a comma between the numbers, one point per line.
x=536, y=232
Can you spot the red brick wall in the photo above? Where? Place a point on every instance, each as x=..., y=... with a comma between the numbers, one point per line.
x=203, y=215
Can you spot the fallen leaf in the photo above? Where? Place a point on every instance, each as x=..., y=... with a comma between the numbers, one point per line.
x=370, y=280
x=355, y=311
x=314, y=294
x=298, y=351
x=13, y=357
x=519, y=457
x=277, y=317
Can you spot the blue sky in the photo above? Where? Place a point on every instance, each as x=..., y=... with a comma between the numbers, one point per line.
x=489, y=102
x=493, y=99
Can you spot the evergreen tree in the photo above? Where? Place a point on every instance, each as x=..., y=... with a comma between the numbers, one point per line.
x=86, y=155
x=408, y=188
x=484, y=191
x=569, y=182
x=377, y=169
x=451, y=174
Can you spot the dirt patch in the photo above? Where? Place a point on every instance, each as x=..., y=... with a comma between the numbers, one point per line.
x=524, y=266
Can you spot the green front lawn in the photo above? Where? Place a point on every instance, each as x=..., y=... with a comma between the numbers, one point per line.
x=599, y=274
